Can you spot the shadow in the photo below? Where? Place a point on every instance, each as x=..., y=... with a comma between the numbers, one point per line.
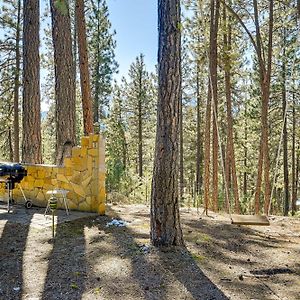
x=228, y=254
x=12, y=247
x=161, y=275
x=67, y=271
x=273, y=271
x=224, y=239
x=88, y=260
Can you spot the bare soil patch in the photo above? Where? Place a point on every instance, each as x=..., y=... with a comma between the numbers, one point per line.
x=90, y=260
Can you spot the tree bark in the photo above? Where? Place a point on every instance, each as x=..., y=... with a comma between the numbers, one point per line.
x=181, y=162
x=64, y=82
x=31, y=146
x=165, y=220
x=10, y=145
x=199, y=160
x=297, y=176
x=140, y=123
x=285, y=135
x=245, y=175
x=294, y=193
x=16, y=147
x=96, y=102
x=84, y=68
x=207, y=151
x=215, y=12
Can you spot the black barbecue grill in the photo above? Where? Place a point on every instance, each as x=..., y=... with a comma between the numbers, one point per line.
x=10, y=174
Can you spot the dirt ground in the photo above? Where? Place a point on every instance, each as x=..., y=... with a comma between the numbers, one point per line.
x=90, y=260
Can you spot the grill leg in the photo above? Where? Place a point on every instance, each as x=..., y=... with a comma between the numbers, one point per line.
x=9, y=201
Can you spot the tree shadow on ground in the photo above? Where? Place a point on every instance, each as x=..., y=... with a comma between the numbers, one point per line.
x=67, y=267
x=12, y=247
x=171, y=274
x=226, y=251
x=226, y=240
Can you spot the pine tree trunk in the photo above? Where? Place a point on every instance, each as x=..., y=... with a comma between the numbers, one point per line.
x=165, y=220
x=245, y=175
x=96, y=81
x=84, y=68
x=64, y=82
x=199, y=160
x=140, y=140
x=10, y=145
x=215, y=11
x=140, y=133
x=297, y=176
x=258, y=180
x=74, y=50
x=181, y=170
x=265, y=65
x=294, y=194
x=267, y=83
x=285, y=137
x=207, y=151
x=31, y=146
x=16, y=152
x=265, y=141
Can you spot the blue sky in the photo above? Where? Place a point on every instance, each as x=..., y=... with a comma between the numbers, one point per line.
x=136, y=24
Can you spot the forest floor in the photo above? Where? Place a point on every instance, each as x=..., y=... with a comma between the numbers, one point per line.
x=88, y=259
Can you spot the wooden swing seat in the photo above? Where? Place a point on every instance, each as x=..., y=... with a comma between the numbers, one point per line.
x=254, y=220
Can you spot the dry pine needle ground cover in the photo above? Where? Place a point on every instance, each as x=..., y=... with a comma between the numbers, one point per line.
x=88, y=260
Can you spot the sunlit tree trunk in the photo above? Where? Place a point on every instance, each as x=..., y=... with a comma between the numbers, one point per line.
x=140, y=125
x=245, y=175
x=285, y=135
x=215, y=12
x=31, y=144
x=84, y=68
x=199, y=160
x=165, y=221
x=181, y=162
x=207, y=151
x=64, y=81
x=294, y=178
x=16, y=147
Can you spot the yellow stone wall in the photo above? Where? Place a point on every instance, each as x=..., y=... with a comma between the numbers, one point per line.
x=83, y=174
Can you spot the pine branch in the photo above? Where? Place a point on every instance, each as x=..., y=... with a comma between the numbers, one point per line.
x=238, y=18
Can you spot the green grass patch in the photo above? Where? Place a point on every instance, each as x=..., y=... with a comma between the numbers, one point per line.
x=74, y=286
x=198, y=258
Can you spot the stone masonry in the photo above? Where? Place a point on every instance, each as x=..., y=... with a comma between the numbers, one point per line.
x=83, y=175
